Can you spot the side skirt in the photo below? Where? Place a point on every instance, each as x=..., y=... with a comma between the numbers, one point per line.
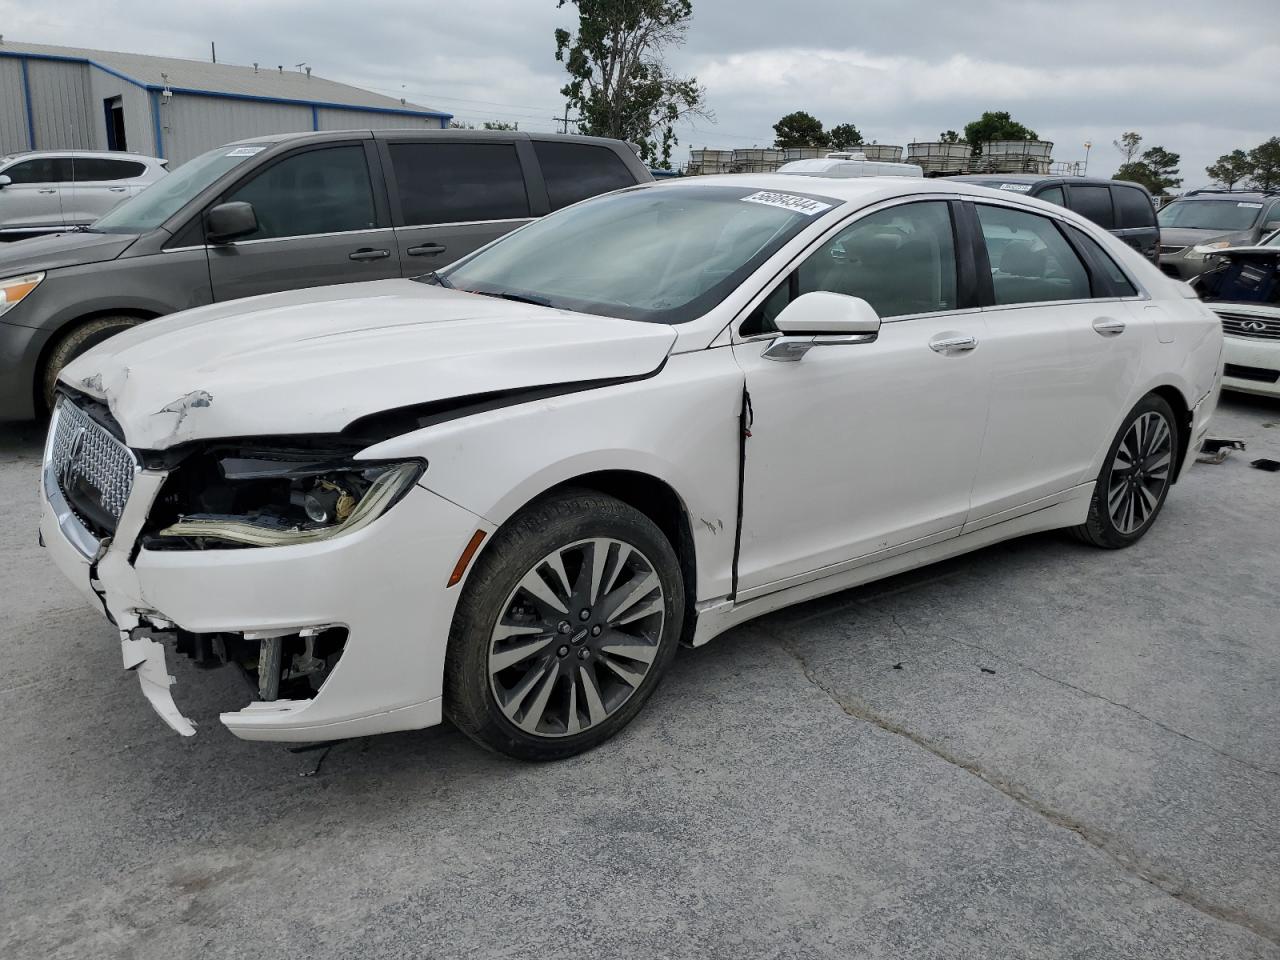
x=723, y=616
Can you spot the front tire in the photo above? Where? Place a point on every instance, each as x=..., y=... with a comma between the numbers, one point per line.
x=75, y=342
x=564, y=629
x=1135, y=477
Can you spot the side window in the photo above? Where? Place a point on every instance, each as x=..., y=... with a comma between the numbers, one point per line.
x=1031, y=262
x=316, y=191
x=456, y=182
x=41, y=170
x=576, y=171
x=99, y=169
x=901, y=260
x=1120, y=284
x=1135, y=208
x=1052, y=195
x=1095, y=204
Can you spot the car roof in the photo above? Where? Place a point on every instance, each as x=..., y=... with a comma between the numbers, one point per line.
x=413, y=133
x=862, y=190
x=1250, y=196
x=108, y=154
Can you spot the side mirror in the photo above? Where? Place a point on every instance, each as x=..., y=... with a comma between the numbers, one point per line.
x=822, y=319
x=1271, y=226
x=5, y=180
x=230, y=221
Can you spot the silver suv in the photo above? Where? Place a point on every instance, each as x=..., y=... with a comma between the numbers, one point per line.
x=51, y=190
x=1199, y=223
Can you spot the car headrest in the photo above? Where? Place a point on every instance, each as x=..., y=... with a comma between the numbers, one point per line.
x=1020, y=259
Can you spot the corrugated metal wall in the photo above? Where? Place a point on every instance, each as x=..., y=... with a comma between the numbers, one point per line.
x=13, y=107
x=334, y=119
x=139, y=132
x=193, y=125
x=60, y=104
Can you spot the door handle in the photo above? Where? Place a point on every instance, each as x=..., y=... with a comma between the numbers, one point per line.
x=117, y=189
x=953, y=345
x=1108, y=327
x=426, y=250
x=50, y=190
x=368, y=253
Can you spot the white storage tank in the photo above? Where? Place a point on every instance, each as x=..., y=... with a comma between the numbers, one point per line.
x=937, y=158
x=758, y=160
x=708, y=161
x=1015, y=156
x=887, y=152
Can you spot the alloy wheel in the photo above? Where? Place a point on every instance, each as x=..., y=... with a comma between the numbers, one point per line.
x=576, y=637
x=1140, y=472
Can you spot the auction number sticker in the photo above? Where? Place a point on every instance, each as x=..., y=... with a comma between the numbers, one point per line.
x=245, y=151
x=1250, y=206
x=789, y=201
x=1016, y=187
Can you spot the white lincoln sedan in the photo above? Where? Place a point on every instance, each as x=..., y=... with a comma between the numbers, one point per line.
x=505, y=492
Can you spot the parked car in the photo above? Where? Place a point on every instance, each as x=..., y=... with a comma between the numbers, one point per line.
x=845, y=163
x=1242, y=285
x=281, y=213
x=49, y=191
x=1199, y=223
x=1123, y=208
x=505, y=491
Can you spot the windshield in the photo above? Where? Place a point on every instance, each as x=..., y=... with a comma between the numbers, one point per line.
x=660, y=254
x=1210, y=214
x=158, y=202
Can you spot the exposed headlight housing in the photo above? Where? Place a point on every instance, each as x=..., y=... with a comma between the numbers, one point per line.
x=15, y=289
x=272, y=498
x=1202, y=250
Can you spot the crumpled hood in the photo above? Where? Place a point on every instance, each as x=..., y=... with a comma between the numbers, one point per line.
x=60, y=250
x=312, y=361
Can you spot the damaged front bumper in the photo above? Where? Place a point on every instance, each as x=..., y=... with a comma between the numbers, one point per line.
x=385, y=586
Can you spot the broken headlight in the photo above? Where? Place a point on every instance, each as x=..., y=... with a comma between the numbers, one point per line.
x=274, y=498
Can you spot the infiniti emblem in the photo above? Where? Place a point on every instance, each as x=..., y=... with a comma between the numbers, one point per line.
x=74, y=445
x=1257, y=326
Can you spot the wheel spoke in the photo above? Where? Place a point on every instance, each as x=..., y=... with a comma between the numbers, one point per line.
x=596, y=712
x=499, y=661
x=556, y=563
x=643, y=652
x=536, y=587
x=599, y=557
x=572, y=723
x=511, y=704
x=628, y=675
x=629, y=594
x=533, y=716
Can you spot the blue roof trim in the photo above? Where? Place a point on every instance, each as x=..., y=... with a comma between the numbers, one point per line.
x=31, y=116
x=190, y=92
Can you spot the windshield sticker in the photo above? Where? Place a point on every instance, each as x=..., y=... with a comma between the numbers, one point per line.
x=789, y=201
x=1016, y=187
x=1250, y=206
x=245, y=151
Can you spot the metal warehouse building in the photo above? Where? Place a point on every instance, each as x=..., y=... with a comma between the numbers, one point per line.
x=64, y=98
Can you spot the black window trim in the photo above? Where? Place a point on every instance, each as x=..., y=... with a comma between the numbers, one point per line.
x=967, y=286
x=1070, y=189
x=537, y=197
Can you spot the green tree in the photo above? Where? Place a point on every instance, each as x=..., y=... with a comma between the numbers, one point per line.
x=1265, y=160
x=619, y=84
x=799, y=129
x=1230, y=168
x=501, y=125
x=1156, y=170
x=461, y=125
x=1129, y=144
x=844, y=135
x=995, y=125
x=949, y=136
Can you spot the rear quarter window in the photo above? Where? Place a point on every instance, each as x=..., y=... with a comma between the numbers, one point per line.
x=576, y=171
x=1093, y=203
x=1134, y=207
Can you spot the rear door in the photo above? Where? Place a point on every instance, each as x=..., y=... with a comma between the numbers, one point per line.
x=1136, y=220
x=98, y=184
x=33, y=199
x=322, y=218
x=1064, y=353
x=452, y=196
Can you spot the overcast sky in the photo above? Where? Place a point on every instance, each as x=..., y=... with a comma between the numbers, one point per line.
x=1196, y=77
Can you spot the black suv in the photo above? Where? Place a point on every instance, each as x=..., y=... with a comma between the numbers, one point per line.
x=278, y=213
x=1123, y=208
x=1202, y=221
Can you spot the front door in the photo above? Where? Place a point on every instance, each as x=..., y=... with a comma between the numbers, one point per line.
x=33, y=198
x=861, y=450
x=318, y=223
x=450, y=197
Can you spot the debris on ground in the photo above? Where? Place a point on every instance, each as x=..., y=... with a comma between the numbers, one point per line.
x=1271, y=466
x=1216, y=449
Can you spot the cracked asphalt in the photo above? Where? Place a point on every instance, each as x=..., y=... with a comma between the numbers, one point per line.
x=1040, y=750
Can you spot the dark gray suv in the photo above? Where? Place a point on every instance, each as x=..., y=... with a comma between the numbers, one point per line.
x=279, y=213
x=1202, y=221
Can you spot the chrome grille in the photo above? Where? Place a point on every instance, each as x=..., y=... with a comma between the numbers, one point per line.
x=82, y=449
x=1248, y=325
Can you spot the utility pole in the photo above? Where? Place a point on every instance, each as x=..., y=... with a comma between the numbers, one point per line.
x=1088, y=145
x=213, y=51
x=565, y=121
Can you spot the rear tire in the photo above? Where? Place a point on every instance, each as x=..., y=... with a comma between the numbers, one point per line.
x=564, y=629
x=75, y=342
x=1135, y=477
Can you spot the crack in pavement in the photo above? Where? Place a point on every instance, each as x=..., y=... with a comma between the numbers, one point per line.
x=1115, y=703
x=1107, y=845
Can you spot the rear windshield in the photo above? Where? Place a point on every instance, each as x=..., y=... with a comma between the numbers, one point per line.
x=664, y=254
x=1245, y=280
x=1210, y=214
x=158, y=202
